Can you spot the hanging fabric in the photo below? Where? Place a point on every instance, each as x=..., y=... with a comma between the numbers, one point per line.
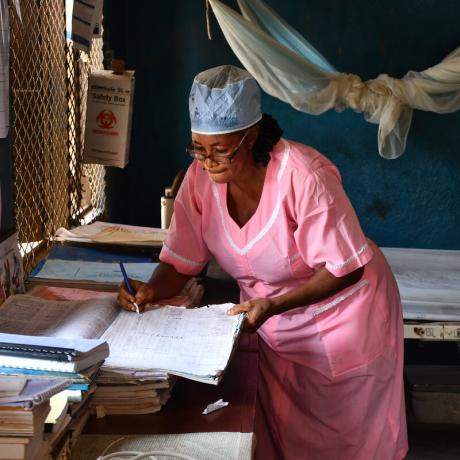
x=288, y=67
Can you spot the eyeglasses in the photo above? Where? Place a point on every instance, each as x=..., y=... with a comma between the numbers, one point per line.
x=216, y=156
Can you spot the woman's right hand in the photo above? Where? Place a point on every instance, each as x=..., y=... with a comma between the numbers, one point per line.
x=144, y=294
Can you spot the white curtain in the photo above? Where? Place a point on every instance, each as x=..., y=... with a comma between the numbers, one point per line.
x=288, y=67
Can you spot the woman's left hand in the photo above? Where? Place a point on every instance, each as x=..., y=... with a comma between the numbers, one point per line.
x=257, y=312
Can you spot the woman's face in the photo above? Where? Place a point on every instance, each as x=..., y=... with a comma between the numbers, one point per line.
x=224, y=156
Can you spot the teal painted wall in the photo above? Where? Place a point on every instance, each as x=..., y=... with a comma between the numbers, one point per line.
x=411, y=201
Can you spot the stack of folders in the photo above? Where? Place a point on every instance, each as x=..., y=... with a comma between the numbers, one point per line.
x=66, y=368
x=23, y=414
x=123, y=393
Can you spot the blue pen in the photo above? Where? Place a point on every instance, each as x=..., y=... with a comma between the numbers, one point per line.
x=128, y=286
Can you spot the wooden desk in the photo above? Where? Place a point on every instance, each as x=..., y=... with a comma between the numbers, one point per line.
x=182, y=413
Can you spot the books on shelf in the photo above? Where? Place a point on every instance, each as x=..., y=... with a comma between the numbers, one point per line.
x=111, y=233
x=194, y=343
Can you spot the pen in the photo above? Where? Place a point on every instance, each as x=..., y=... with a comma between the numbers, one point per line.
x=128, y=285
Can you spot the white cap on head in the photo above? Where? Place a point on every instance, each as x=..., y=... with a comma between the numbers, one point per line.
x=223, y=100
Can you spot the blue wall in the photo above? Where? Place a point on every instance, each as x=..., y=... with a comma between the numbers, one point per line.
x=411, y=201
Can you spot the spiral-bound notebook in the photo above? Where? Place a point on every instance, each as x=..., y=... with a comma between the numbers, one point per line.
x=36, y=391
x=51, y=353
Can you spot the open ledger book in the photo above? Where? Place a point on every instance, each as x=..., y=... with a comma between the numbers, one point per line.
x=194, y=343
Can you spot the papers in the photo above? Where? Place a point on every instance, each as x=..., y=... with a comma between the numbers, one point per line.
x=109, y=233
x=81, y=21
x=429, y=282
x=82, y=273
x=28, y=315
x=194, y=343
x=11, y=270
x=219, y=404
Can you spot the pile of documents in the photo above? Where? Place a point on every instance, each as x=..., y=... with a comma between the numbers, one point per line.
x=24, y=409
x=38, y=341
x=90, y=259
x=119, y=393
x=145, y=350
x=57, y=377
x=114, y=234
x=134, y=359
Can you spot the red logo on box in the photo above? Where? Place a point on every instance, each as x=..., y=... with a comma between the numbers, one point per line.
x=106, y=119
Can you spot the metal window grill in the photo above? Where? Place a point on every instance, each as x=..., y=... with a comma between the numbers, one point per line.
x=52, y=186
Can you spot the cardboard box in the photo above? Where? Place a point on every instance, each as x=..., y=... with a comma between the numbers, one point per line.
x=108, y=118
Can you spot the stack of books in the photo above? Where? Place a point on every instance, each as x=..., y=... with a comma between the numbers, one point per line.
x=146, y=350
x=126, y=395
x=23, y=415
x=60, y=378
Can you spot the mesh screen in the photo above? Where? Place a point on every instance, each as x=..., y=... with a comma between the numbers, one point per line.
x=53, y=188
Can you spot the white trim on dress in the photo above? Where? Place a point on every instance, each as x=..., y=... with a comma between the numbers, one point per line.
x=271, y=221
x=351, y=258
x=340, y=299
x=181, y=258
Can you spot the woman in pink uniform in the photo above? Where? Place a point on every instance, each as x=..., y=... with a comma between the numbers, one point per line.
x=319, y=293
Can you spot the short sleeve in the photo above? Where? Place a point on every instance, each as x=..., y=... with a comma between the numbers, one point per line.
x=184, y=247
x=328, y=231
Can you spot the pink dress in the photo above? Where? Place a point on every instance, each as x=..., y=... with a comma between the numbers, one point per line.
x=330, y=384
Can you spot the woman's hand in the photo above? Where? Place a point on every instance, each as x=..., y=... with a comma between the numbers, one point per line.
x=257, y=312
x=145, y=293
